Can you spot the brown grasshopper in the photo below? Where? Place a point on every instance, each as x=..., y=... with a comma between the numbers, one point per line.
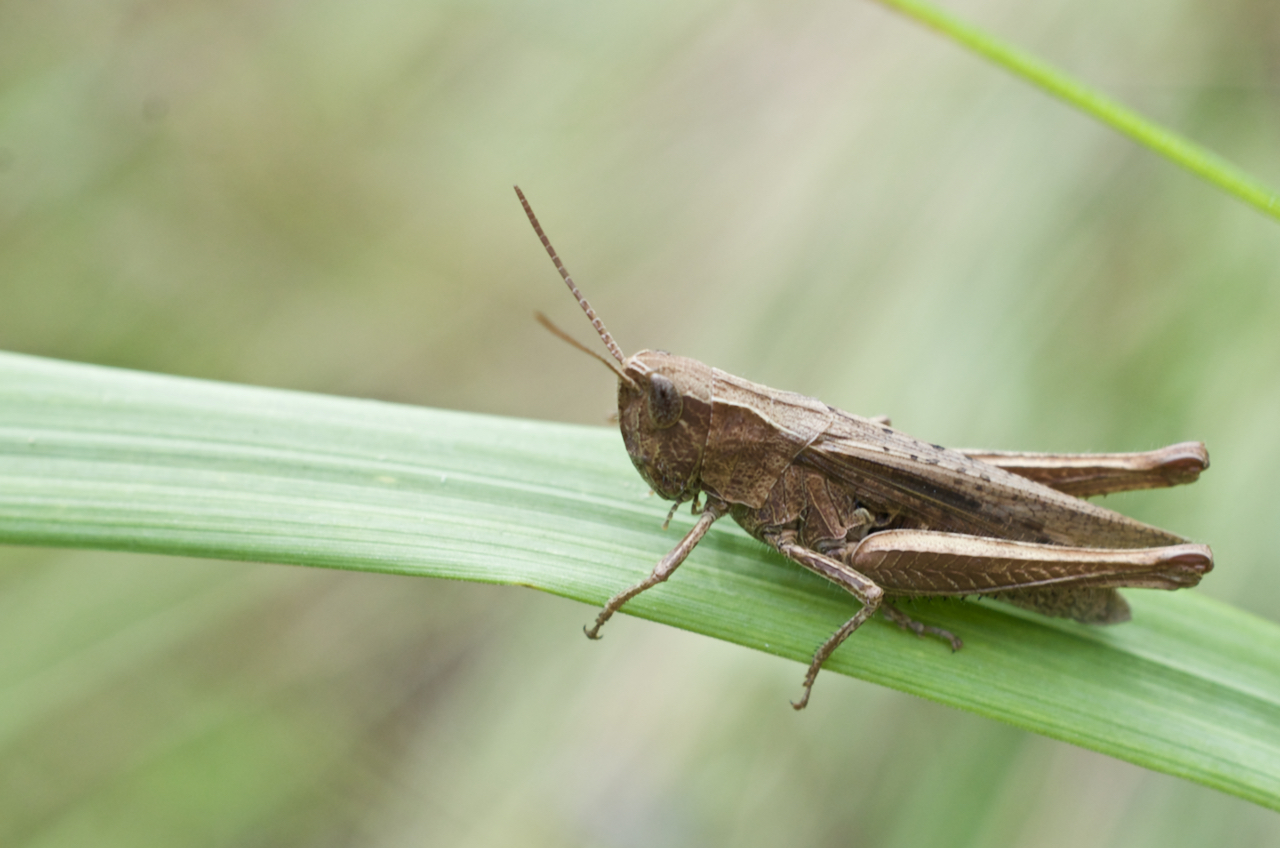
x=881, y=514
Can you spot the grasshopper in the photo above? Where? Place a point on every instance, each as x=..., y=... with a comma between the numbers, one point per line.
x=879, y=513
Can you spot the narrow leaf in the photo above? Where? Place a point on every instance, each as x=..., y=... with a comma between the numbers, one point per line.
x=105, y=458
x=1167, y=143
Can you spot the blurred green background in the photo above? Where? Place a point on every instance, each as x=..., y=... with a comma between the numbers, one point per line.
x=817, y=195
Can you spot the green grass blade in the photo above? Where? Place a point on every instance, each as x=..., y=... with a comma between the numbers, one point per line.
x=1167, y=143
x=99, y=457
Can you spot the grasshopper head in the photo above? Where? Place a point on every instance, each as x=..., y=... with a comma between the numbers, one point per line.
x=664, y=412
x=664, y=401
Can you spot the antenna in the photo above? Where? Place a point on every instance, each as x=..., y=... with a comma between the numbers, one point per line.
x=563, y=336
x=582, y=301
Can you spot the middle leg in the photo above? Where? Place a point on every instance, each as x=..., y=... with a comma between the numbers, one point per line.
x=906, y=622
x=866, y=591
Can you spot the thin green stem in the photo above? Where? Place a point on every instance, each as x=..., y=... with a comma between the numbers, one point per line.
x=1169, y=144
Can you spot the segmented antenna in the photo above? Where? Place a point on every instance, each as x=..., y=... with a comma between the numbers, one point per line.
x=582, y=301
x=563, y=336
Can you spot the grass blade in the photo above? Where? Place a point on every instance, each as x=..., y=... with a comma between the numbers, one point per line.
x=105, y=458
x=1171, y=145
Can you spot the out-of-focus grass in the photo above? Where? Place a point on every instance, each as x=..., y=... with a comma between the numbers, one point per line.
x=817, y=196
x=1173, y=146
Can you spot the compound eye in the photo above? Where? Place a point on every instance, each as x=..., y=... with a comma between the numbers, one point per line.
x=665, y=403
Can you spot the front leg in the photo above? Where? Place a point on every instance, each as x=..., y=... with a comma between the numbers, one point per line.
x=867, y=593
x=715, y=509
